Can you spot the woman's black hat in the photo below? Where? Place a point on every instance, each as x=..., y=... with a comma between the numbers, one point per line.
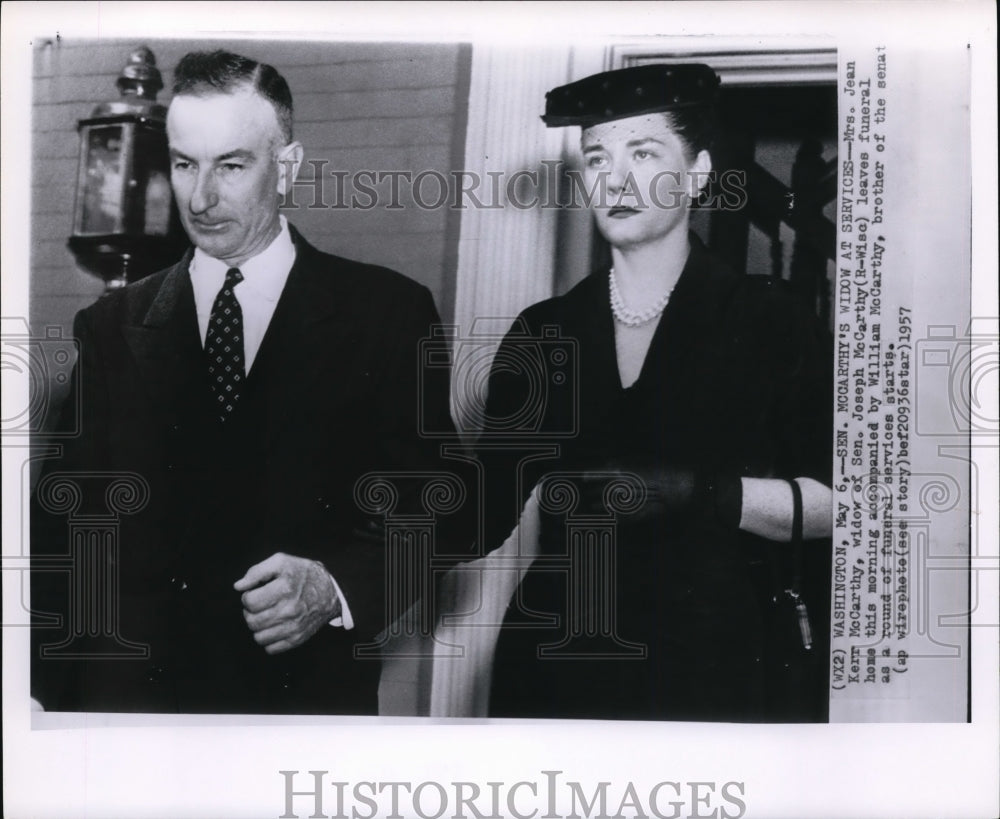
x=630, y=92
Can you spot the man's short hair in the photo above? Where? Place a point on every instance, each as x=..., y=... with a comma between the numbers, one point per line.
x=205, y=72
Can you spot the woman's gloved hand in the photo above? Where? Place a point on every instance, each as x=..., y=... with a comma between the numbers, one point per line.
x=675, y=493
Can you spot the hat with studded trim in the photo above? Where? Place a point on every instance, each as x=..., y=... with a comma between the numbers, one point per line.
x=630, y=92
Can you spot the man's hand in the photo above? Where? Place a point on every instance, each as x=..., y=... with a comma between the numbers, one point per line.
x=286, y=599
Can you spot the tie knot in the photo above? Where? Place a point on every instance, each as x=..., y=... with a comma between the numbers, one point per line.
x=233, y=276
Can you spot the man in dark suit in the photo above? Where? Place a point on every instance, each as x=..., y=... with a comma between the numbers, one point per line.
x=238, y=396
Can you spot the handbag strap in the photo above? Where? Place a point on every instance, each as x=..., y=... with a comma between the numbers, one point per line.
x=794, y=591
x=790, y=590
x=786, y=561
x=796, y=543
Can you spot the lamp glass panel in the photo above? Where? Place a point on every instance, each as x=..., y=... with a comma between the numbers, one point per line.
x=103, y=183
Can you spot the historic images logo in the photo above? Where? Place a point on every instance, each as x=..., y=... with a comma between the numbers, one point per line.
x=313, y=794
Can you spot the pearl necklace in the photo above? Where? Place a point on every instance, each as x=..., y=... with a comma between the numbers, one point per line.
x=634, y=318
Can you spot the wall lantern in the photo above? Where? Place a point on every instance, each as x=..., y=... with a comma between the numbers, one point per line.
x=125, y=224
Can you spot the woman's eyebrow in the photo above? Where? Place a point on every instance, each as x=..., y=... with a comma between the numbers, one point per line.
x=635, y=143
x=632, y=143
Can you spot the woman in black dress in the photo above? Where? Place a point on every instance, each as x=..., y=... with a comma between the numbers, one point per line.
x=698, y=423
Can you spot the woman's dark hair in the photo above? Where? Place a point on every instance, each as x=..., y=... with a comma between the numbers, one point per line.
x=202, y=72
x=695, y=127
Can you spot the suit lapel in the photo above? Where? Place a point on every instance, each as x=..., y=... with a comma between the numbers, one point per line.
x=167, y=350
x=307, y=344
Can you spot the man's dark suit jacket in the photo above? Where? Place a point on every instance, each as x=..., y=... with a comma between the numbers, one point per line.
x=333, y=394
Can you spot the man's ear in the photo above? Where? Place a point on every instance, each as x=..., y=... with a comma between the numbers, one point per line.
x=699, y=172
x=289, y=162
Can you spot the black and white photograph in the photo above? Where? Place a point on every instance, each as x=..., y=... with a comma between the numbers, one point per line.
x=519, y=410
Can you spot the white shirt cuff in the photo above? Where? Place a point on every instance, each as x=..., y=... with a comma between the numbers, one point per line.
x=344, y=619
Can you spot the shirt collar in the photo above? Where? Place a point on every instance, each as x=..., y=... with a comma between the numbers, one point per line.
x=265, y=273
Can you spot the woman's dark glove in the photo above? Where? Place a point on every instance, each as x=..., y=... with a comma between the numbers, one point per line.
x=674, y=493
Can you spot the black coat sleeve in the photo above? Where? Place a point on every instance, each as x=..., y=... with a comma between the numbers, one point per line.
x=411, y=402
x=81, y=436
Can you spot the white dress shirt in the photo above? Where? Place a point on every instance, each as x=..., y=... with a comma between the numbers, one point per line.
x=264, y=278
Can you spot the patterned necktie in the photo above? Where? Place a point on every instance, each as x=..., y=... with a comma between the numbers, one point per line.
x=224, y=346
